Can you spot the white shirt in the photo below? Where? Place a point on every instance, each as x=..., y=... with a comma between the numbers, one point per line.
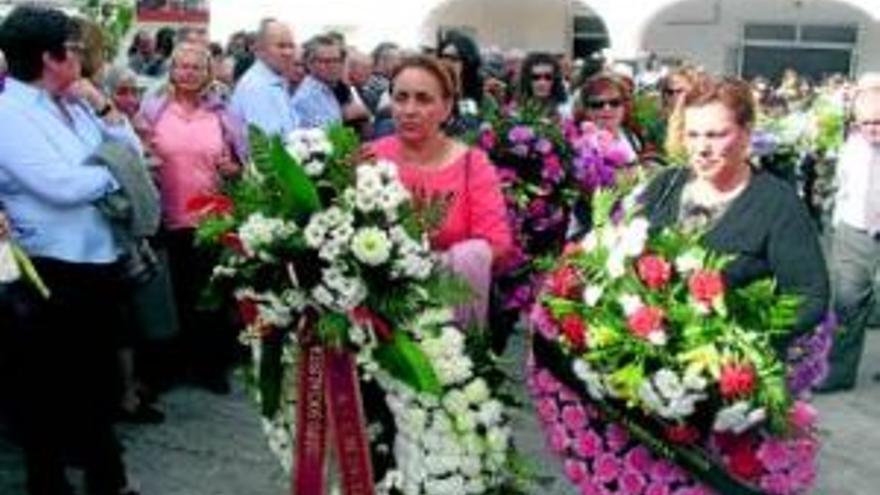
x=852, y=181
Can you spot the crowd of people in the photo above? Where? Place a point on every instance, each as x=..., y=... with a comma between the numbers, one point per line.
x=78, y=131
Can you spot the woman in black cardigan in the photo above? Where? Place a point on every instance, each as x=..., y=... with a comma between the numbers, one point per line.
x=745, y=212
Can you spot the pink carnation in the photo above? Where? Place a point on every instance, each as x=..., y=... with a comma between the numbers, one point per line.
x=803, y=476
x=777, y=484
x=657, y=489
x=588, y=444
x=632, y=483
x=576, y=471
x=574, y=417
x=566, y=395
x=775, y=455
x=547, y=383
x=617, y=437
x=803, y=416
x=589, y=487
x=607, y=468
x=639, y=459
x=548, y=411
x=558, y=439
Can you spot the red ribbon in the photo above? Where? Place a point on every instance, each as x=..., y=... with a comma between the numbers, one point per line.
x=329, y=395
x=364, y=317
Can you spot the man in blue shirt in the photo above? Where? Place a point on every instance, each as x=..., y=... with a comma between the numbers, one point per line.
x=315, y=102
x=51, y=123
x=262, y=95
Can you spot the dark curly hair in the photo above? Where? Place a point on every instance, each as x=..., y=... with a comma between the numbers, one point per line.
x=557, y=92
x=30, y=31
x=466, y=48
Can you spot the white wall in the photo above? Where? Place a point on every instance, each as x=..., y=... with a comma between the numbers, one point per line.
x=525, y=24
x=709, y=38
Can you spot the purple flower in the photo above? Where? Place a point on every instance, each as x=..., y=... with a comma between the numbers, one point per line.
x=574, y=418
x=764, y=143
x=521, y=134
x=587, y=444
x=664, y=471
x=607, y=468
x=544, y=146
x=552, y=170
x=520, y=150
x=487, y=139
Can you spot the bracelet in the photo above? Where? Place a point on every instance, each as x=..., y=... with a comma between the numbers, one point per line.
x=106, y=109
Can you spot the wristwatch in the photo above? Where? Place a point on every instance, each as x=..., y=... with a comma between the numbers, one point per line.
x=107, y=108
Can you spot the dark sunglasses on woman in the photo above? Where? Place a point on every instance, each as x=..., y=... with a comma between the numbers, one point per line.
x=599, y=104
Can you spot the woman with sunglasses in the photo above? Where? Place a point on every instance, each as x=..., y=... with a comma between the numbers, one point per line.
x=606, y=100
x=541, y=83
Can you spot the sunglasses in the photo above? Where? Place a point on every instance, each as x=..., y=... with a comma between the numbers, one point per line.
x=542, y=76
x=599, y=104
x=77, y=47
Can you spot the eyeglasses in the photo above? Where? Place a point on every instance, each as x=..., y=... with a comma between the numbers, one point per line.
x=76, y=47
x=542, y=76
x=599, y=104
x=452, y=57
x=670, y=92
x=868, y=123
x=328, y=60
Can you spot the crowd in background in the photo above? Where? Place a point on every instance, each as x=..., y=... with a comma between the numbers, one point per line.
x=182, y=103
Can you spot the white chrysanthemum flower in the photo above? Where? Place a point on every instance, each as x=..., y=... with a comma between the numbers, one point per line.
x=668, y=384
x=477, y=391
x=649, y=396
x=593, y=380
x=371, y=245
x=738, y=417
x=592, y=294
x=314, y=168
x=689, y=261
x=630, y=303
x=315, y=232
x=634, y=237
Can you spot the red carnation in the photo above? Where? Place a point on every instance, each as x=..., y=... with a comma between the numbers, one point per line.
x=248, y=310
x=744, y=461
x=737, y=379
x=209, y=205
x=575, y=330
x=684, y=434
x=233, y=242
x=645, y=321
x=706, y=286
x=654, y=271
x=564, y=282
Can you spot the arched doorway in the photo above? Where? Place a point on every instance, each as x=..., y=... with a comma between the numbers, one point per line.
x=557, y=26
x=760, y=37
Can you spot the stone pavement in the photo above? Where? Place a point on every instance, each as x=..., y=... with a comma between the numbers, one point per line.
x=213, y=445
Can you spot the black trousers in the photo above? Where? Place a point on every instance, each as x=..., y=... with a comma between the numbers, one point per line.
x=63, y=358
x=208, y=338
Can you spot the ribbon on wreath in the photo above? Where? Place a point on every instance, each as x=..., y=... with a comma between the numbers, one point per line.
x=329, y=408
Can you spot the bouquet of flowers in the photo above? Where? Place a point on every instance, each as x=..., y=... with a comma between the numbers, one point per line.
x=644, y=329
x=329, y=262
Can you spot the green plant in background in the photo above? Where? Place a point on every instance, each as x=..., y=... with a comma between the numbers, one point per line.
x=116, y=18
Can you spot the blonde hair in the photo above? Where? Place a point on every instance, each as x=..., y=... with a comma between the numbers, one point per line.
x=188, y=48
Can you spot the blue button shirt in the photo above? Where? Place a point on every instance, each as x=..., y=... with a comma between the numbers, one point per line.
x=315, y=104
x=47, y=185
x=262, y=98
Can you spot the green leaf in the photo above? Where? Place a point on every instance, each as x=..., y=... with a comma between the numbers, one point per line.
x=333, y=329
x=403, y=359
x=300, y=196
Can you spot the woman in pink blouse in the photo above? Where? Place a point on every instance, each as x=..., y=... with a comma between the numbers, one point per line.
x=475, y=236
x=195, y=143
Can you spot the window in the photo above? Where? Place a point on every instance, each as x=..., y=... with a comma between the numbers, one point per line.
x=590, y=35
x=813, y=50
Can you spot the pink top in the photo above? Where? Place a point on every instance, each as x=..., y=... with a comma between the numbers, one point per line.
x=477, y=209
x=190, y=147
